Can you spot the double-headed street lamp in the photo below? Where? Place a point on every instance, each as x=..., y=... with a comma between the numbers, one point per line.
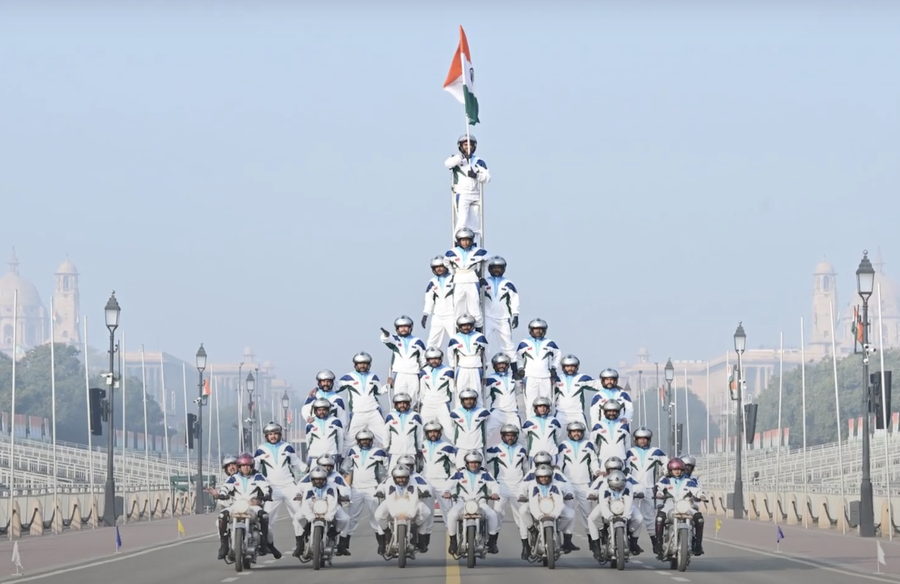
x=201, y=401
x=670, y=377
x=112, y=311
x=285, y=406
x=737, y=502
x=865, y=284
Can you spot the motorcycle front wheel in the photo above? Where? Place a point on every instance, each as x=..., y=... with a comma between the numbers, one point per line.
x=550, y=546
x=620, y=548
x=318, y=533
x=401, y=546
x=238, y=549
x=683, y=550
x=470, y=546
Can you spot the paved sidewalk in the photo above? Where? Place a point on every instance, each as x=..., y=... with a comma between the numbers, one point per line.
x=78, y=546
x=831, y=547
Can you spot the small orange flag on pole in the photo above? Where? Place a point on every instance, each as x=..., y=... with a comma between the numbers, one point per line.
x=206, y=390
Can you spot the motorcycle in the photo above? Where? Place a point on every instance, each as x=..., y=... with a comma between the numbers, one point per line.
x=321, y=544
x=471, y=532
x=545, y=541
x=616, y=549
x=402, y=545
x=245, y=535
x=678, y=535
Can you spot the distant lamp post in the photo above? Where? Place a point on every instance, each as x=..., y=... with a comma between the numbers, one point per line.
x=865, y=284
x=201, y=400
x=670, y=377
x=112, y=312
x=251, y=405
x=740, y=345
x=285, y=406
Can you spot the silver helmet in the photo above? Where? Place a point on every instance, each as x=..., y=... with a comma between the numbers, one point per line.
x=500, y=358
x=402, y=397
x=616, y=480
x=400, y=472
x=321, y=403
x=541, y=401
x=509, y=429
x=465, y=319
x=273, y=427
x=496, y=261
x=689, y=460
x=365, y=434
x=575, y=426
x=465, y=233
x=612, y=404
x=325, y=375
x=569, y=360
x=318, y=473
x=362, y=357
x=403, y=321
x=643, y=432
x=433, y=426
x=407, y=461
x=467, y=138
x=436, y=262
x=468, y=394
x=474, y=456
x=537, y=323
x=325, y=460
x=613, y=462
x=543, y=457
x=434, y=353
x=609, y=372
x=543, y=471
x=228, y=459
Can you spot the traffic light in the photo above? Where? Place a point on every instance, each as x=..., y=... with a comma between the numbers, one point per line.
x=191, y=430
x=876, y=401
x=98, y=409
x=750, y=421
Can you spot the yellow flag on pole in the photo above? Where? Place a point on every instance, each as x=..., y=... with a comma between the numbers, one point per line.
x=718, y=525
x=181, y=529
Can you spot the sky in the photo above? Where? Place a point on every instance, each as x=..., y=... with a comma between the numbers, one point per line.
x=270, y=174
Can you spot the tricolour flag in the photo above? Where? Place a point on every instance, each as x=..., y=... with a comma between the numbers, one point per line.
x=780, y=534
x=460, y=80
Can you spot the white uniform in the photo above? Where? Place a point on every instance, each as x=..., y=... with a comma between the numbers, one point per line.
x=463, y=264
x=646, y=466
x=604, y=395
x=675, y=489
x=537, y=357
x=501, y=398
x=467, y=189
x=362, y=391
x=306, y=515
x=279, y=463
x=337, y=482
x=438, y=465
x=531, y=488
x=612, y=437
x=602, y=515
x=470, y=431
x=570, y=397
x=392, y=491
x=407, y=359
x=439, y=304
x=470, y=486
x=338, y=406
x=238, y=486
x=578, y=461
x=509, y=465
x=404, y=434
x=363, y=466
x=437, y=388
x=501, y=304
x=567, y=519
x=542, y=434
x=324, y=437
x=464, y=355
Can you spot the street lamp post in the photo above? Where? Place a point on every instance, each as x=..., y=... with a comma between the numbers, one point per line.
x=670, y=377
x=740, y=344
x=201, y=400
x=240, y=398
x=285, y=405
x=251, y=405
x=112, y=311
x=865, y=283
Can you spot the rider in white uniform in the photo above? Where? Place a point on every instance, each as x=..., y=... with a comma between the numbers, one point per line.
x=610, y=433
x=437, y=389
x=325, y=389
x=501, y=395
x=324, y=434
x=439, y=303
x=438, y=458
x=542, y=431
x=407, y=357
x=542, y=482
x=471, y=425
x=508, y=462
x=319, y=487
x=246, y=484
x=464, y=355
x=616, y=488
x=473, y=483
x=646, y=464
x=674, y=487
x=607, y=388
x=465, y=261
x=501, y=307
x=278, y=462
x=404, y=429
x=399, y=485
x=469, y=172
x=577, y=459
x=364, y=469
x=336, y=480
x=538, y=359
x=570, y=392
x=361, y=390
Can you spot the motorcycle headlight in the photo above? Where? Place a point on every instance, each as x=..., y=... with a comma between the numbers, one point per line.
x=546, y=505
x=320, y=506
x=617, y=507
x=683, y=507
x=241, y=507
x=472, y=508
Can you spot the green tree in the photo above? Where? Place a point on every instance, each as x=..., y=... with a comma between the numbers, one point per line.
x=33, y=393
x=657, y=418
x=821, y=425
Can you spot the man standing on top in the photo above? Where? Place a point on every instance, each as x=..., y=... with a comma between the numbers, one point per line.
x=439, y=304
x=469, y=172
x=407, y=358
x=464, y=262
x=501, y=309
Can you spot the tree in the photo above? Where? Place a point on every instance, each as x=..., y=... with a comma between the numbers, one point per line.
x=657, y=418
x=33, y=393
x=821, y=424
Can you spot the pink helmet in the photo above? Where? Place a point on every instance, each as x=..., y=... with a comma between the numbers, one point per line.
x=675, y=463
x=245, y=458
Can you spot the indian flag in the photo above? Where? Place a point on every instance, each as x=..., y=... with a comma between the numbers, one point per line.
x=461, y=79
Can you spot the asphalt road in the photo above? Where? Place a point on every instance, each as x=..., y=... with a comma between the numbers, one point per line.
x=193, y=562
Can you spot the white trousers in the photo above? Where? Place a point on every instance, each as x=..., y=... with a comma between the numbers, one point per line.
x=362, y=499
x=499, y=336
x=442, y=330
x=467, y=301
x=282, y=494
x=467, y=213
x=498, y=419
x=407, y=383
x=536, y=387
x=384, y=519
x=470, y=378
x=647, y=510
x=508, y=497
x=596, y=522
x=581, y=491
x=373, y=421
x=565, y=417
x=438, y=486
x=566, y=521
x=306, y=516
x=490, y=518
x=441, y=413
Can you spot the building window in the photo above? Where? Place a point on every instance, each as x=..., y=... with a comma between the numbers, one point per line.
x=65, y=334
x=65, y=283
x=826, y=283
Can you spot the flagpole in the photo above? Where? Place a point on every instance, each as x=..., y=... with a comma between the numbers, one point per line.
x=53, y=407
x=708, y=405
x=187, y=427
x=837, y=418
x=803, y=413
x=687, y=413
x=218, y=423
x=146, y=440
x=209, y=433
x=780, y=434
x=728, y=402
x=87, y=391
x=165, y=401
x=12, y=434
x=886, y=414
x=675, y=415
x=124, y=420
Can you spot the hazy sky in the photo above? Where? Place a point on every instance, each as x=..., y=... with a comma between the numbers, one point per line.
x=271, y=173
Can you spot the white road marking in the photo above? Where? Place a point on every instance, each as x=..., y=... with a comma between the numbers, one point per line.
x=662, y=573
x=680, y=579
x=233, y=579
x=269, y=562
x=636, y=562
